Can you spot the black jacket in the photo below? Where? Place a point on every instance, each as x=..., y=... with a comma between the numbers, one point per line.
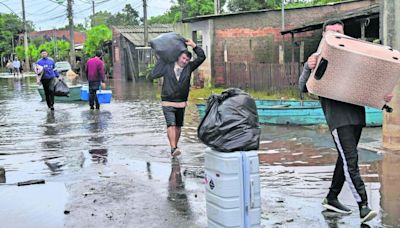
x=173, y=90
x=337, y=113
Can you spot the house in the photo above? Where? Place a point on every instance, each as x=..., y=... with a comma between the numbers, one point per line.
x=63, y=34
x=129, y=54
x=247, y=49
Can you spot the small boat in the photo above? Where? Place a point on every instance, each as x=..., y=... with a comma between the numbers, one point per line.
x=296, y=112
x=74, y=94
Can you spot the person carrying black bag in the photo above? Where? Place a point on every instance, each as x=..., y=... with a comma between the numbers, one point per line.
x=46, y=77
x=175, y=90
x=95, y=75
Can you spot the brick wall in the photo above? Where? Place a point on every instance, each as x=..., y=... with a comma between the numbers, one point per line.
x=255, y=37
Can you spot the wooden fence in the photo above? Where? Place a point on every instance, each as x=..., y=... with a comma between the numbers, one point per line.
x=259, y=76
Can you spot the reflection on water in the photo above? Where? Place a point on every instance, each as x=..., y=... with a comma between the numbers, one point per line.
x=51, y=130
x=148, y=169
x=297, y=162
x=176, y=189
x=2, y=175
x=389, y=173
x=99, y=155
x=332, y=219
x=96, y=122
x=33, y=206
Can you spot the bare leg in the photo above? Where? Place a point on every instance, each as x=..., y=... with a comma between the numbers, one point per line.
x=178, y=135
x=172, y=136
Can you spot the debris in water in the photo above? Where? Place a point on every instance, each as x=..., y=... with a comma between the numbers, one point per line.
x=23, y=183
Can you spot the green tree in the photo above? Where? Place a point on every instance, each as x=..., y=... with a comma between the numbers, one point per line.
x=173, y=15
x=10, y=28
x=95, y=38
x=191, y=8
x=99, y=18
x=128, y=16
x=246, y=5
x=77, y=27
x=33, y=52
x=185, y=8
x=37, y=41
x=57, y=49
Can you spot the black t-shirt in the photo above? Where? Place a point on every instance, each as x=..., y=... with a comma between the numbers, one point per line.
x=339, y=114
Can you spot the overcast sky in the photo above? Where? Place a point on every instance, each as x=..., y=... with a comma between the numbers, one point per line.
x=47, y=14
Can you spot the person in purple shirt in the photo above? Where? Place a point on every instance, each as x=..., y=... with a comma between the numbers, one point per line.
x=46, y=76
x=95, y=75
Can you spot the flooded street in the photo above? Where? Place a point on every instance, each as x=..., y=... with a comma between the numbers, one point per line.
x=111, y=168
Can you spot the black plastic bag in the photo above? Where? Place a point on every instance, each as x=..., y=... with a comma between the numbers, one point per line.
x=61, y=89
x=52, y=84
x=230, y=122
x=168, y=46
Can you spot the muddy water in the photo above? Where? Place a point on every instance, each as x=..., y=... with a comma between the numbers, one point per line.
x=74, y=145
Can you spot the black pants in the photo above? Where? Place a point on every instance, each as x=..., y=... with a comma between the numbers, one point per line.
x=48, y=91
x=346, y=139
x=93, y=87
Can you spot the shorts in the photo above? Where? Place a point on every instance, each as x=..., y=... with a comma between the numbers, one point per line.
x=173, y=116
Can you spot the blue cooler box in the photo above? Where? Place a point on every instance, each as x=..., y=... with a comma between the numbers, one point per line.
x=85, y=93
x=104, y=96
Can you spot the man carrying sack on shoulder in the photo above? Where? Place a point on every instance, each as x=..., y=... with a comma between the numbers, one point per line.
x=175, y=90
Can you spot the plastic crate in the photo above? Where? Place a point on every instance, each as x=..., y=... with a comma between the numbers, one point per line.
x=85, y=93
x=104, y=96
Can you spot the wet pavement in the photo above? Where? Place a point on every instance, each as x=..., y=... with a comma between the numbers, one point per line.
x=111, y=168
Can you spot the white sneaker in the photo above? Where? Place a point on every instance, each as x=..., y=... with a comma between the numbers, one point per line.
x=176, y=152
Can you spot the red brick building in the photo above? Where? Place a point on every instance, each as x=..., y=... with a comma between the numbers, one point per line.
x=79, y=37
x=254, y=37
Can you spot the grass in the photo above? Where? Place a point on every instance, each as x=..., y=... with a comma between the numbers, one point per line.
x=201, y=95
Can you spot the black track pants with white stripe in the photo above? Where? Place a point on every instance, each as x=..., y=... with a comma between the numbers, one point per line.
x=346, y=140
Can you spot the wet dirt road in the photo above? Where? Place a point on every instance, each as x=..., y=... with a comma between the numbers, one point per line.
x=111, y=168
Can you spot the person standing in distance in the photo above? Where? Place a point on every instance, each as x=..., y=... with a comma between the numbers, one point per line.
x=95, y=75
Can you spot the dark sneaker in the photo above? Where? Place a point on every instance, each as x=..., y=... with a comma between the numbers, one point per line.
x=366, y=214
x=335, y=205
x=52, y=108
x=176, y=152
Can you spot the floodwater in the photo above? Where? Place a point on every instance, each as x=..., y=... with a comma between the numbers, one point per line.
x=74, y=145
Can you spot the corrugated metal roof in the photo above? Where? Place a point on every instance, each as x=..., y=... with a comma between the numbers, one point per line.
x=211, y=16
x=359, y=13
x=135, y=34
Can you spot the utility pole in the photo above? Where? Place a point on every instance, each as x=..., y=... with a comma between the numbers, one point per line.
x=146, y=35
x=283, y=15
x=55, y=45
x=71, y=32
x=93, y=17
x=217, y=7
x=12, y=45
x=390, y=34
x=26, y=65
